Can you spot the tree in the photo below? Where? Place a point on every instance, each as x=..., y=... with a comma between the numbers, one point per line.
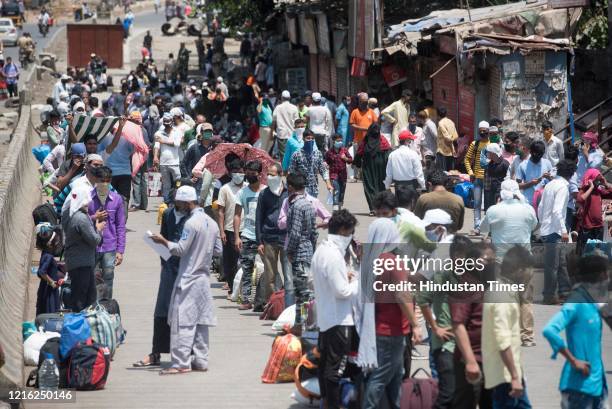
x=592, y=30
x=242, y=14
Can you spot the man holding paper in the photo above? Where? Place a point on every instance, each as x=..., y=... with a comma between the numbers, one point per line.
x=191, y=306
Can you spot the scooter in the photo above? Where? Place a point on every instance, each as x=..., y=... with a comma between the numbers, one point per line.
x=43, y=29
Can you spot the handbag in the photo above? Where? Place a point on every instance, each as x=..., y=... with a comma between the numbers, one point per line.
x=419, y=393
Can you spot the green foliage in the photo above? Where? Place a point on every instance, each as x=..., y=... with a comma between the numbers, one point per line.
x=242, y=14
x=592, y=30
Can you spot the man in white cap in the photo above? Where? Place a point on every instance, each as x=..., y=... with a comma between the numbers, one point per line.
x=223, y=86
x=191, y=310
x=320, y=122
x=511, y=222
x=495, y=173
x=283, y=121
x=476, y=172
x=166, y=154
x=60, y=86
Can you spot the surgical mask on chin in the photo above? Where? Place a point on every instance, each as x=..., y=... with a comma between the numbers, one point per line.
x=275, y=184
x=238, y=178
x=299, y=133
x=341, y=241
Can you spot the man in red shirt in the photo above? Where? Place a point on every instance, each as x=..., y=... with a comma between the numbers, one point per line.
x=394, y=315
x=337, y=157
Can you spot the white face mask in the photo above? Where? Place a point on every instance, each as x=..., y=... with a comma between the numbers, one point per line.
x=341, y=241
x=299, y=133
x=238, y=178
x=102, y=190
x=275, y=183
x=436, y=234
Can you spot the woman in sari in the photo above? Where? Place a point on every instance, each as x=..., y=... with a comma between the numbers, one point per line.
x=372, y=155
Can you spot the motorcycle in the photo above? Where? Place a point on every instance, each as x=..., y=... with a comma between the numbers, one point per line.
x=26, y=57
x=43, y=29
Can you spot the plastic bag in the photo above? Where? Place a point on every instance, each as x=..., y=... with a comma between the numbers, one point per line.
x=76, y=329
x=40, y=152
x=32, y=346
x=286, y=319
x=284, y=358
x=27, y=329
x=236, y=285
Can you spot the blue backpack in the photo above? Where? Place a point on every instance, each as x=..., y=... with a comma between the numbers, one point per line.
x=466, y=191
x=76, y=329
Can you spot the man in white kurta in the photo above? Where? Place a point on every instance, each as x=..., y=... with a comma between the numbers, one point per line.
x=191, y=305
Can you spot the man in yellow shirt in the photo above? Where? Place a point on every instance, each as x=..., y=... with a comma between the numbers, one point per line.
x=501, y=333
x=397, y=114
x=447, y=134
x=476, y=172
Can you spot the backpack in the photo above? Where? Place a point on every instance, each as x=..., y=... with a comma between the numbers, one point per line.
x=419, y=393
x=76, y=329
x=50, y=347
x=103, y=331
x=284, y=358
x=88, y=366
x=45, y=213
x=50, y=321
x=274, y=307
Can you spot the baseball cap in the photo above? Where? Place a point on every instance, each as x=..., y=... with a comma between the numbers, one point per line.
x=406, y=134
x=78, y=149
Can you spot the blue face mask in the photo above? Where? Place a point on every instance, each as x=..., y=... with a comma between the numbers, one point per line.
x=308, y=146
x=412, y=128
x=338, y=144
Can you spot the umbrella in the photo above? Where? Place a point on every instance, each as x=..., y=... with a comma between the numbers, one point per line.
x=215, y=160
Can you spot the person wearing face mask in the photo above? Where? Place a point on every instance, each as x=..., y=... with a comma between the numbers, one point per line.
x=404, y=166
x=583, y=378
x=534, y=172
x=320, y=121
x=397, y=113
x=87, y=180
x=107, y=205
x=226, y=203
x=476, y=172
x=361, y=119
x=283, y=122
x=270, y=238
x=166, y=155
x=295, y=143
x=522, y=153
x=495, y=172
x=309, y=162
x=264, y=118
x=54, y=131
x=372, y=155
x=590, y=221
x=196, y=152
x=417, y=131
x=446, y=136
x=245, y=214
x=337, y=159
x=334, y=289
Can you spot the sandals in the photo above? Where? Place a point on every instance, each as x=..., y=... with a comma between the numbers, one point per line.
x=174, y=371
x=154, y=360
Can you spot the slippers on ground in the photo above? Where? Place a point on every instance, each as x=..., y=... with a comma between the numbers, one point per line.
x=153, y=361
x=174, y=371
x=196, y=369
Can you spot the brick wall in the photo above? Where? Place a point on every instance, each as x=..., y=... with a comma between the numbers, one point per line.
x=445, y=91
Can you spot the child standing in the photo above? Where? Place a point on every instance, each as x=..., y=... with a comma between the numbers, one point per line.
x=48, y=240
x=337, y=158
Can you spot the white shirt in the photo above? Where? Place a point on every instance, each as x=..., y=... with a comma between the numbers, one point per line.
x=430, y=136
x=169, y=154
x=554, y=150
x=227, y=199
x=553, y=207
x=404, y=164
x=319, y=119
x=332, y=289
x=284, y=116
x=416, y=144
x=55, y=158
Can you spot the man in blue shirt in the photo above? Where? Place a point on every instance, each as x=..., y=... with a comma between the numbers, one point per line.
x=534, y=172
x=583, y=383
x=342, y=119
x=117, y=153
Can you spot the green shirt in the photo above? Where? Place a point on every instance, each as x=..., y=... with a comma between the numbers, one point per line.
x=441, y=310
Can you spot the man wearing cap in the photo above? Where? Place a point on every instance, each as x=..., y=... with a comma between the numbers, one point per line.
x=191, y=310
x=197, y=151
x=495, y=173
x=283, y=121
x=223, y=86
x=60, y=86
x=166, y=155
x=404, y=167
x=476, y=172
x=86, y=180
x=397, y=113
x=72, y=168
x=320, y=122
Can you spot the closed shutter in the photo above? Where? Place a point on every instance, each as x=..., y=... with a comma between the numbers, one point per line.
x=313, y=74
x=324, y=74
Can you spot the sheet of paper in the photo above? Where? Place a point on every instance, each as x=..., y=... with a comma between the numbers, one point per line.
x=158, y=248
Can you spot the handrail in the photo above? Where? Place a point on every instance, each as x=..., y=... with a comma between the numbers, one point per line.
x=605, y=101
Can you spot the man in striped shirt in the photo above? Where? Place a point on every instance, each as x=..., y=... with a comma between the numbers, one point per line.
x=476, y=172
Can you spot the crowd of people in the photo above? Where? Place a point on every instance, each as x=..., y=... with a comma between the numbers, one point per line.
x=524, y=190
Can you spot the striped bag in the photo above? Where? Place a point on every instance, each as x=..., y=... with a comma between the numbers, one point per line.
x=103, y=329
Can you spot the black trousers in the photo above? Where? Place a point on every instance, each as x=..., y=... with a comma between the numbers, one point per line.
x=161, y=336
x=468, y=396
x=230, y=259
x=445, y=163
x=321, y=141
x=82, y=288
x=408, y=357
x=123, y=186
x=334, y=346
x=446, y=378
